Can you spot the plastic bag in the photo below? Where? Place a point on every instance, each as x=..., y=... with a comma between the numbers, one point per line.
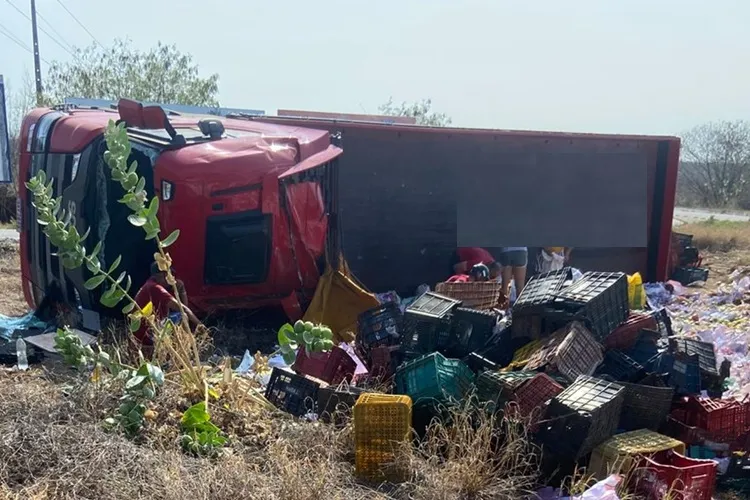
x=603, y=490
x=550, y=261
x=636, y=295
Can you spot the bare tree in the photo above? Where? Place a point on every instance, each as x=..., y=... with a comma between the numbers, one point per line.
x=716, y=161
x=421, y=111
x=19, y=102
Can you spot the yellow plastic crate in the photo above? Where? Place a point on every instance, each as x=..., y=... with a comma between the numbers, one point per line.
x=382, y=422
x=523, y=354
x=617, y=453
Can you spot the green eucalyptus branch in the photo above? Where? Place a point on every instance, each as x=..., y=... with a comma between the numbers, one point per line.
x=145, y=211
x=58, y=225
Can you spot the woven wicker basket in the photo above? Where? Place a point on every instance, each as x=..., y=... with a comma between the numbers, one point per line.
x=480, y=295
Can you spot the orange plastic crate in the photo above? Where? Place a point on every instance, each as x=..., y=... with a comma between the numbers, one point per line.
x=382, y=423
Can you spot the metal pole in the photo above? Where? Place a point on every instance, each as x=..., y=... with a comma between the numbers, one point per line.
x=37, y=68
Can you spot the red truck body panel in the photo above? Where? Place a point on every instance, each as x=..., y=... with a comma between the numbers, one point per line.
x=397, y=208
x=393, y=198
x=253, y=172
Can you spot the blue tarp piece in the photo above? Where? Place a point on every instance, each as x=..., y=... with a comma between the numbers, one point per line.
x=9, y=324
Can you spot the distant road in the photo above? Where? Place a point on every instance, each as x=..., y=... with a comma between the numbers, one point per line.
x=8, y=234
x=681, y=216
x=688, y=215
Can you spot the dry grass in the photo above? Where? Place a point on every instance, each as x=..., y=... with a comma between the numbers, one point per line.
x=718, y=236
x=12, y=302
x=54, y=446
x=477, y=457
x=725, y=247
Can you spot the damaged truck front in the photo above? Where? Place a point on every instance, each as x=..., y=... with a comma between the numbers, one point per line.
x=252, y=202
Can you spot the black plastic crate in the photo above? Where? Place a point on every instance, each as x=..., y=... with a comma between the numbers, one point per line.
x=600, y=299
x=471, y=330
x=690, y=257
x=663, y=322
x=379, y=326
x=478, y=364
x=563, y=435
x=424, y=336
x=295, y=394
x=500, y=348
x=704, y=350
x=539, y=324
x=684, y=240
x=645, y=347
x=589, y=404
x=621, y=367
x=688, y=275
x=432, y=306
x=335, y=405
x=684, y=374
x=541, y=290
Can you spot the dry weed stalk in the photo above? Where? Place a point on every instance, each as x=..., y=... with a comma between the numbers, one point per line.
x=472, y=454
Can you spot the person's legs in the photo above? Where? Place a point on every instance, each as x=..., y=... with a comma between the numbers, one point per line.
x=506, y=270
x=519, y=276
x=507, y=274
x=518, y=260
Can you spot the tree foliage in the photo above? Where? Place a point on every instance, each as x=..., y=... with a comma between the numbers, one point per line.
x=161, y=74
x=420, y=110
x=716, y=162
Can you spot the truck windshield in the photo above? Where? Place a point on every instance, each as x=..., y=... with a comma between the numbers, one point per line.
x=84, y=182
x=109, y=217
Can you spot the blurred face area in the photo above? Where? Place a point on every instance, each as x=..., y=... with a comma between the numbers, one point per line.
x=161, y=278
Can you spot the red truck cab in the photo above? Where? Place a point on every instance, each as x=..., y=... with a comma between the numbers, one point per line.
x=252, y=202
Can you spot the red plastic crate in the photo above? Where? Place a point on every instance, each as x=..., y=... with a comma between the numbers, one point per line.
x=677, y=477
x=311, y=364
x=722, y=420
x=679, y=430
x=340, y=367
x=535, y=392
x=382, y=360
x=625, y=336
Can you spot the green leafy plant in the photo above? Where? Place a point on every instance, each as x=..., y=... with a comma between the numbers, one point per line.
x=304, y=334
x=72, y=350
x=60, y=228
x=75, y=354
x=201, y=436
x=59, y=224
x=140, y=384
x=140, y=388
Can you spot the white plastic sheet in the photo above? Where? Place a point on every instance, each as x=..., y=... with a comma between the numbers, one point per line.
x=605, y=489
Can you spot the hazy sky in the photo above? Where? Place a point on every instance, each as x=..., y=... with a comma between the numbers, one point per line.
x=634, y=66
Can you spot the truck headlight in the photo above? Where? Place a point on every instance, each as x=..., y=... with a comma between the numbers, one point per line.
x=167, y=190
x=30, y=137
x=74, y=167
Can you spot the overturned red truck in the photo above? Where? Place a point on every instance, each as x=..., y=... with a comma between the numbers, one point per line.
x=261, y=201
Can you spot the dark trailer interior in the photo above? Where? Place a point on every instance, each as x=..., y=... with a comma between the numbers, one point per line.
x=400, y=188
